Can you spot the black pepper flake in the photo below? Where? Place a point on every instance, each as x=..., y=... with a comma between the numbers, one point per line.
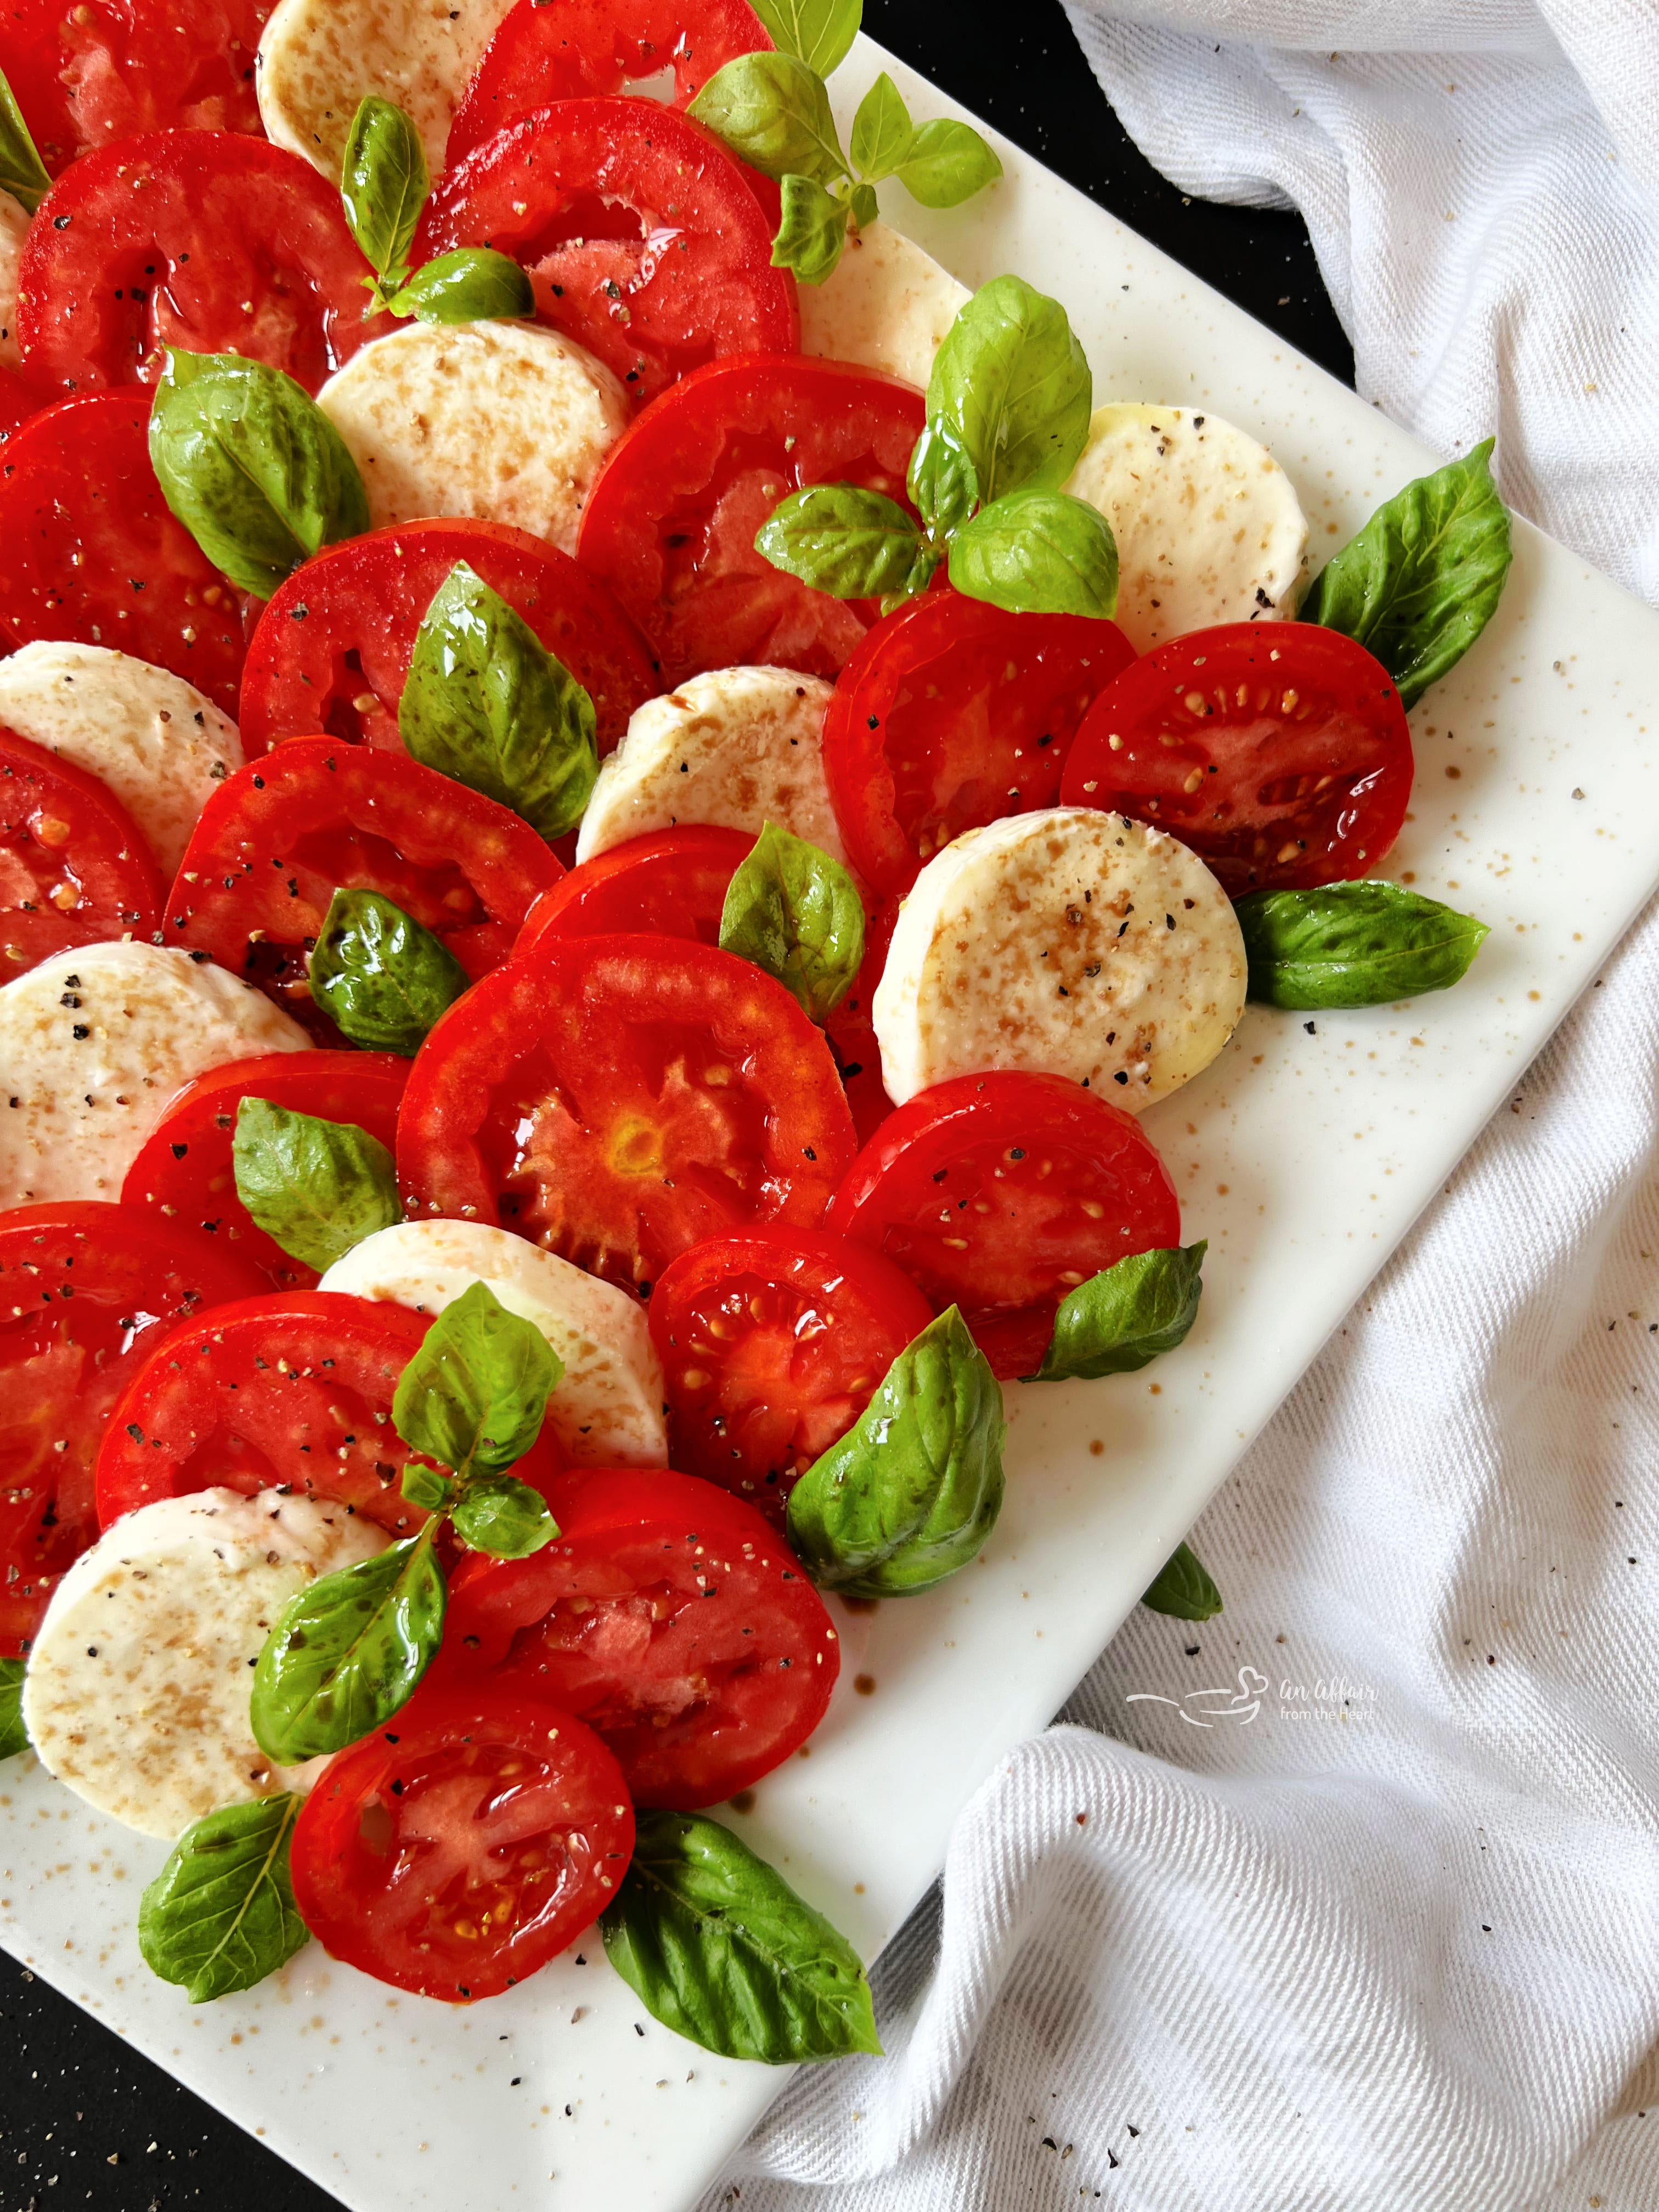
x=1309, y=1029
x=1119, y=1077
x=178, y=1151
x=81, y=1031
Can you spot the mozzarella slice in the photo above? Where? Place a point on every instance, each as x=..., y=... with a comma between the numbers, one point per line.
x=736, y=748
x=318, y=58
x=152, y=738
x=13, y=223
x=1208, y=526
x=496, y=422
x=1064, y=943
x=136, y=1693
x=608, y=1410
x=887, y=306
x=94, y=1042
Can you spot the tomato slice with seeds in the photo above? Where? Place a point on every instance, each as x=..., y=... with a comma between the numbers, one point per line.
x=1279, y=751
x=1000, y=1194
x=454, y=1852
x=672, y=883
x=74, y=869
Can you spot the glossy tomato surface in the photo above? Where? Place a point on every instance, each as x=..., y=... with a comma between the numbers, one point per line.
x=19, y=399
x=671, y=522
x=851, y=1033
x=1279, y=751
x=672, y=883
x=74, y=869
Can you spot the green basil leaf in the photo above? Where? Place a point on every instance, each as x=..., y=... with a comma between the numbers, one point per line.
x=941, y=480
x=475, y=1395
x=1353, y=944
x=1419, y=584
x=947, y=163
x=486, y=703
x=882, y=132
x=1013, y=383
x=347, y=1652
x=1038, y=553
x=251, y=466
x=912, y=1491
x=425, y=1487
x=317, y=1187
x=1125, y=1316
x=773, y=113
x=811, y=231
x=23, y=173
x=841, y=539
x=863, y=206
x=1183, y=1588
x=14, y=1736
x=506, y=1518
x=817, y=32
x=221, y=1914
x=381, y=978
x=795, y=911
x=384, y=183
x=473, y=284
x=717, y=1945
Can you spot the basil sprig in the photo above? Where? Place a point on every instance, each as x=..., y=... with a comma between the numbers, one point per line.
x=717, y=1946
x=384, y=184
x=14, y=1736
x=486, y=704
x=316, y=1186
x=1124, y=1317
x=1419, y=584
x=1353, y=944
x=382, y=978
x=1183, y=1588
x=793, y=910
x=221, y=1914
x=23, y=173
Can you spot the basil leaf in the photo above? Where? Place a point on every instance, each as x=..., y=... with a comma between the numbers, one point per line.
x=475, y=1395
x=794, y=911
x=473, y=284
x=1038, y=553
x=425, y=1487
x=912, y=1492
x=1353, y=944
x=506, y=1518
x=486, y=703
x=811, y=231
x=841, y=539
x=1122, y=1318
x=717, y=1945
x=382, y=979
x=1419, y=584
x=14, y=1736
x=817, y=32
x=347, y=1653
x=947, y=163
x=941, y=481
x=221, y=1914
x=773, y=113
x=1183, y=1588
x=881, y=131
x=317, y=1187
x=23, y=173
x=251, y=466
x=384, y=183
x=1013, y=383
x=863, y=206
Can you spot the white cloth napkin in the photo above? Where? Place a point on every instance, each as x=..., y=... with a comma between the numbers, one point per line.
x=1383, y=1936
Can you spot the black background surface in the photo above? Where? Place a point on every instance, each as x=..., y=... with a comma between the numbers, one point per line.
x=84, y=2120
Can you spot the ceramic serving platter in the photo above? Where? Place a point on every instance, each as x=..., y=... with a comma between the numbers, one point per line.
x=1303, y=1157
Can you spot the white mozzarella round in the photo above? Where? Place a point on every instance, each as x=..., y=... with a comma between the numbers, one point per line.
x=608, y=1410
x=158, y=744
x=13, y=225
x=1063, y=943
x=137, y=1688
x=887, y=306
x=94, y=1042
x=492, y=422
x=1208, y=526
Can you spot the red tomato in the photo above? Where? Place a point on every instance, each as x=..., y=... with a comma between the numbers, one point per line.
x=771, y=1343
x=1278, y=752
x=185, y=1170
x=672, y=883
x=1000, y=1194
x=93, y=553
x=646, y=240
x=281, y=837
x=953, y=713
x=460, y=1849
x=198, y=239
x=19, y=400
x=671, y=521
x=85, y=1291
x=615, y=1099
x=582, y=48
x=74, y=869
x=331, y=650
x=852, y=1033
x=669, y=1617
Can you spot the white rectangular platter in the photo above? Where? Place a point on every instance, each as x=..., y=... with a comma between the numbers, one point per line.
x=1303, y=1159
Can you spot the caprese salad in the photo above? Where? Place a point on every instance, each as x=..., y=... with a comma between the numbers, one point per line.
x=614, y=798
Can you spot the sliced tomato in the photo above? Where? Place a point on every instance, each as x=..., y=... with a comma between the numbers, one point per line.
x=332, y=647
x=953, y=713
x=19, y=400
x=669, y=1616
x=671, y=521
x=584, y=48
x=771, y=1343
x=456, y=1850
x=1279, y=752
x=615, y=1099
x=86, y=1291
x=851, y=1032
x=1000, y=1194
x=94, y=554
x=185, y=1171
x=74, y=869
x=673, y=884
x=200, y=239
x=281, y=837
